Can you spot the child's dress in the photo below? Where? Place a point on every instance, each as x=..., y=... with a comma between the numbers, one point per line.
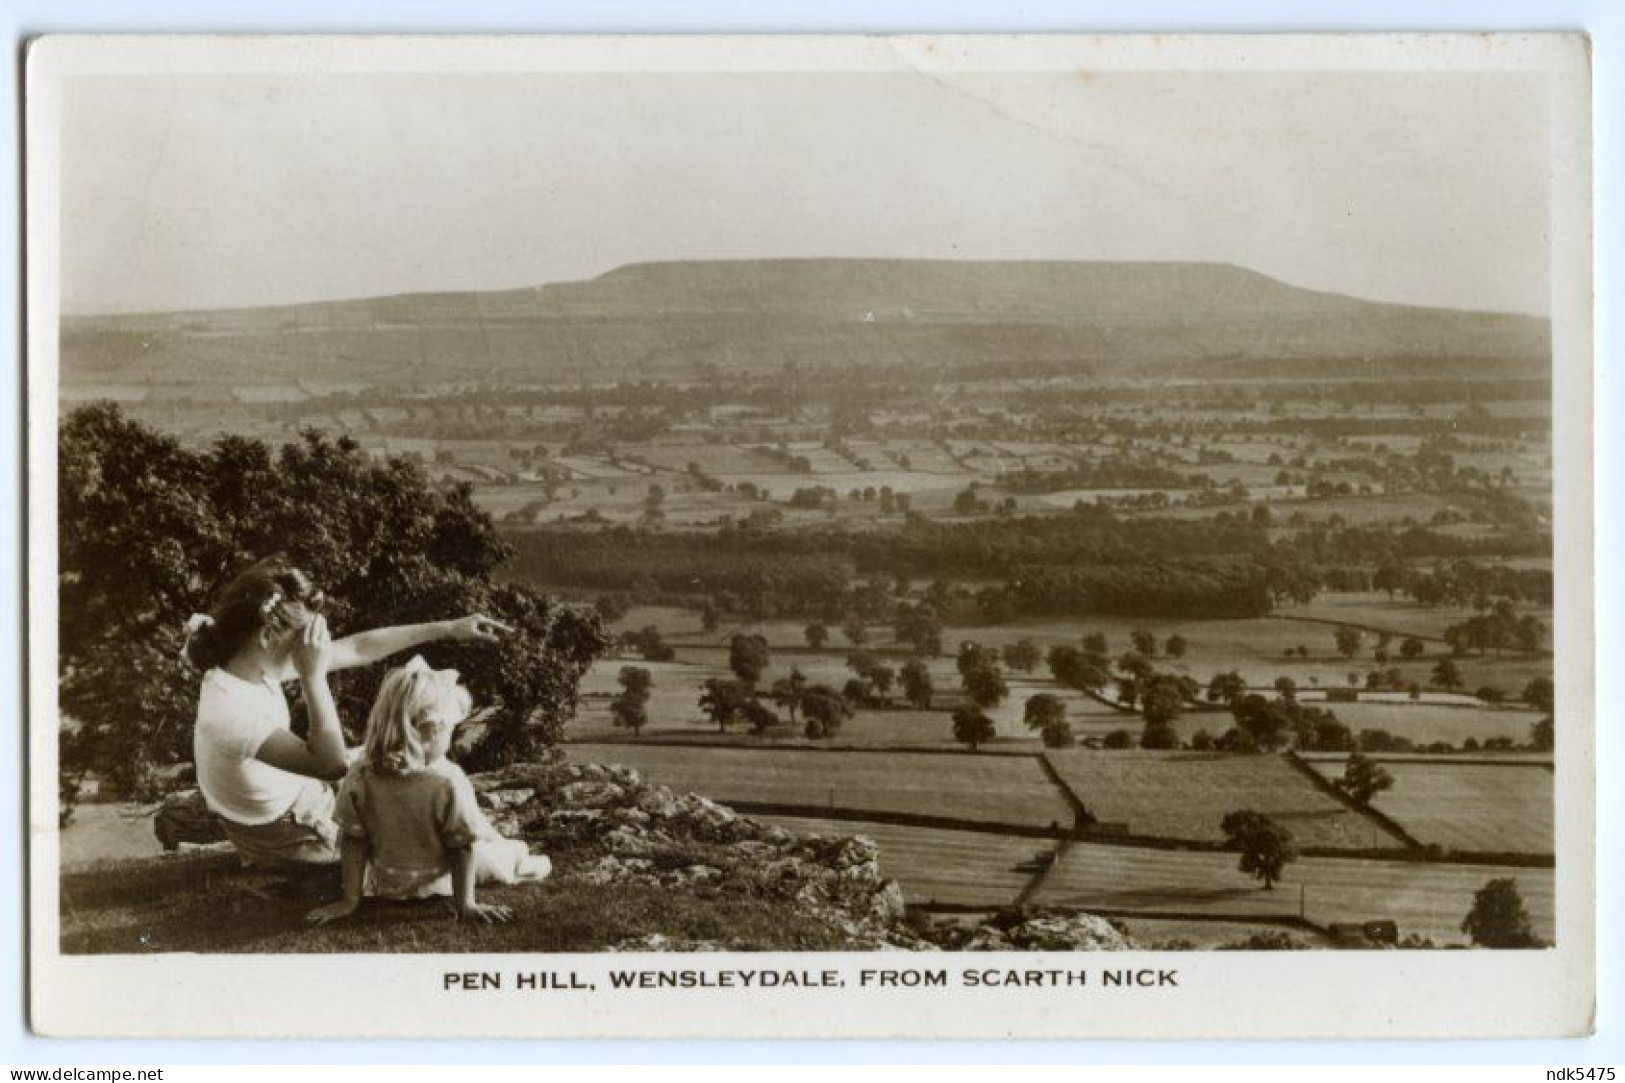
x=411, y=822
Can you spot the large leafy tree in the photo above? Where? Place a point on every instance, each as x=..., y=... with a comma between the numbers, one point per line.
x=1266, y=847
x=748, y=657
x=972, y=727
x=1498, y=918
x=150, y=530
x=1364, y=778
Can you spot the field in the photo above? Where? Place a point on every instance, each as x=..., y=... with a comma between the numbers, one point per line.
x=1252, y=648
x=992, y=789
x=1184, y=795
x=1470, y=807
x=1425, y=899
x=1374, y=609
x=934, y=866
x=1426, y=722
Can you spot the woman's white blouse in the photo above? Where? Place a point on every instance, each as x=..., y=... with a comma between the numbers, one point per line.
x=234, y=717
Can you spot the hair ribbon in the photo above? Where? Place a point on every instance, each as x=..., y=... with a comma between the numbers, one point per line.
x=194, y=624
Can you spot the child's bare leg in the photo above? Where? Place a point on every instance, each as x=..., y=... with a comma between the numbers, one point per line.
x=462, y=876
x=508, y=861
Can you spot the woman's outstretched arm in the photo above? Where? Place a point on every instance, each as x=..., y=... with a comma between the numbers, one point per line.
x=365, y=648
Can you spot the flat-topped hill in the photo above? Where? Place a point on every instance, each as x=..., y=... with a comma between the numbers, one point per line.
x=652, y=319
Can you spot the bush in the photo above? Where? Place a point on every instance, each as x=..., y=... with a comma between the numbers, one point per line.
x=151, y=530
x=1498, y=918
x=1058, y=734
x=1159, y=735
x=1270, y=940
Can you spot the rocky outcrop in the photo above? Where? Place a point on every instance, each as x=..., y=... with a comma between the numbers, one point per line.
x=603, y=825
x=1036, y=930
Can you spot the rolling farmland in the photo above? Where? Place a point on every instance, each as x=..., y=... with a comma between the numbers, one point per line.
x=1184, y=795
x=1426, y=899
x=991, y=789
x=1046, y=452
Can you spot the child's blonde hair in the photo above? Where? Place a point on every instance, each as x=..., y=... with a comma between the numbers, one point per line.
x=411, y=702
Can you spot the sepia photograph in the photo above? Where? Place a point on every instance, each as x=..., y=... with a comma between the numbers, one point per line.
x=743, y=506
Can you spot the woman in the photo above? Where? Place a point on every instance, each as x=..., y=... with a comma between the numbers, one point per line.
x=271, y=789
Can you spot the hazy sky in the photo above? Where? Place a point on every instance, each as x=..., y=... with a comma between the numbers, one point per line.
x=202, y=192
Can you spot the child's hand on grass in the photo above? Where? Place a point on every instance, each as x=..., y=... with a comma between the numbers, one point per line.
x=489, y=913
x=332, y=911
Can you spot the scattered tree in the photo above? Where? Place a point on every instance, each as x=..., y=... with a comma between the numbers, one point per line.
x=972, y=726
x=747, y=657
x=1175, y=647
x=1266, y=847
x=1541, y=735
x=1264, y=723
x=816, y=635
x=1348, y=641
x=1498, y=918
x=1059, y=735
x=1446, y=674
x=985, y=685
x=1161, y=699
x=920, y=626
x=917, y=687
x=1364, y=778
x=1540, y=694
x=788, y=692
x=648, y=642
x=723, y=700
x=825, y=711
x=1022, y=654
x=1226, y=688
x=629, y=709
x=1159, y=735
x=1043, y=710
x=758, y=716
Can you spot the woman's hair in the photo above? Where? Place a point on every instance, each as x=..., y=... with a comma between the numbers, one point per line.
x=411, y=702
x=270, y=595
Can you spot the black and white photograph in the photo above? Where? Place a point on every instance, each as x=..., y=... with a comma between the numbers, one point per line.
x=1024, y=518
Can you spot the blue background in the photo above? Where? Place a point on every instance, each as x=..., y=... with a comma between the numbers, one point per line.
x=20, y=18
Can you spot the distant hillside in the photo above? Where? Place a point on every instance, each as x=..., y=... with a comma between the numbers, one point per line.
x=665, y=319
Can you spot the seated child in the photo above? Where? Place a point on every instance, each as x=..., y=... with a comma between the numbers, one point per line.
x=409, y=823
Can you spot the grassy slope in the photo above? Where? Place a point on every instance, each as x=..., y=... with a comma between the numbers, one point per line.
x=203, y=902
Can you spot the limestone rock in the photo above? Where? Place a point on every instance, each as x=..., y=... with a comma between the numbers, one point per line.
x=1066, y=932
x=504, y=799
x=588, y=793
